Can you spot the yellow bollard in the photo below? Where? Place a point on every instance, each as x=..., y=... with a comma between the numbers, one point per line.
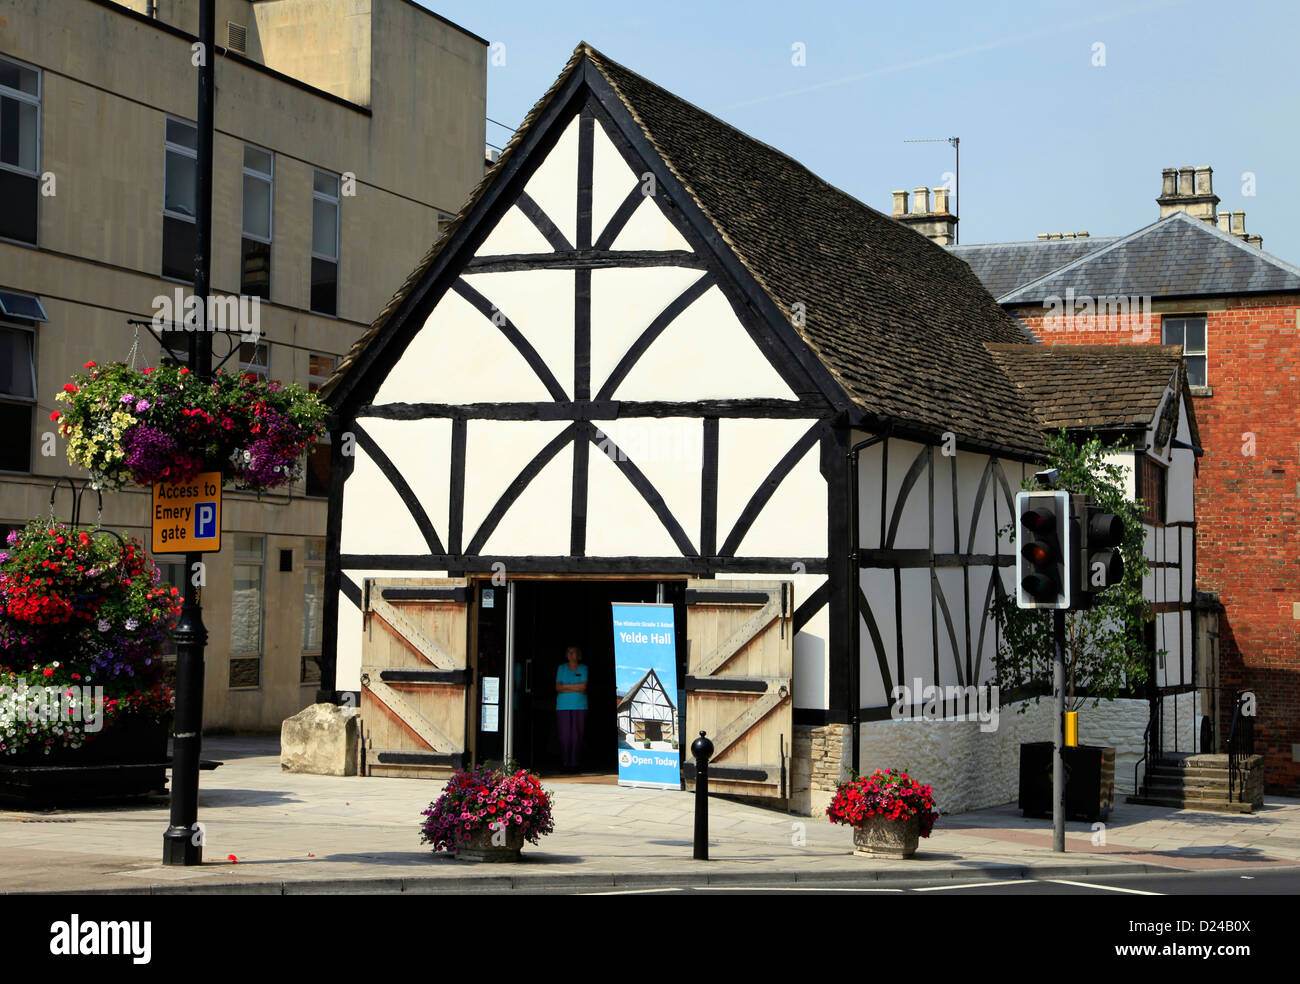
x=1071, y=729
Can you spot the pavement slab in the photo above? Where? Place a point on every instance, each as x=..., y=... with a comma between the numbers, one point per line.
x=292, y=834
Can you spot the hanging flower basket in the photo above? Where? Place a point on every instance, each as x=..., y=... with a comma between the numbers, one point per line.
x=164, y=424
x=84, y=619
x=487, y=813
x=888, y=810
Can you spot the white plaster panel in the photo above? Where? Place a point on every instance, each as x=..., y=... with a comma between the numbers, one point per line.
x=705, y=354
x=954, y=594
x=554, y=185
x=878, y=588
x=914, y=522
x=540, y=303
x=496, y=451
x=918, y=653
x=669, y=451
x=514, y=233
x=1189, y=562
x=624, y=302
x=946, y=540
x=421, y=452
x=649, y=228
x=460, y=356
x=748, y=450
x=793, y=523
x=869, y=460
x=1125, y=460
x=611, y=180
x=620, y=523
x=375, y=519
x=970, y=469
x=540, y=520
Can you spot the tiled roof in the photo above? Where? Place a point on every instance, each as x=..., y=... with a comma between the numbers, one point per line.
x=1091, y=386
x=900, y=323
x=1177, y=256
x=1002, y=267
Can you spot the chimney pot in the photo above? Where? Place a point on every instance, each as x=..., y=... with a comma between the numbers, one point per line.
x=1205, y=180
x=900, y=203
x=1168, y=182
x=921, y=200
x=1225, y=221
x=1082, y=235
x=1187, y=181
x=1256, y=241
x=1238, y=223
x=941, y=200
x=1044, y=235
x=1056, y=235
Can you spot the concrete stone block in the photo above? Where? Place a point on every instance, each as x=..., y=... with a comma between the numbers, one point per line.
x=321, y=740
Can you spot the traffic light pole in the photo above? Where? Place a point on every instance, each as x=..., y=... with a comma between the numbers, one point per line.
x=1058, y=731
x=182, y=842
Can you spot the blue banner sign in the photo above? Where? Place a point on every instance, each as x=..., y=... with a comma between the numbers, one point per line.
x=645, y=675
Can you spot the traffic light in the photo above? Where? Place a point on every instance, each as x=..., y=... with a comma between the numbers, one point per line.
x=1102, y=535
x=1044, y=561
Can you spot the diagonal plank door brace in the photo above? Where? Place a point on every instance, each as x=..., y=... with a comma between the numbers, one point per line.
x=406, y=712
x=711, y=663
x=412, y=635
x=754, y=713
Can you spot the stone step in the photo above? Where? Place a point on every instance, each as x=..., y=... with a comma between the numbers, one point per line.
x=1182, y=803
x=1212, y=774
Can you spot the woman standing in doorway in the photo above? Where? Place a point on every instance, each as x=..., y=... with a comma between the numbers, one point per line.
x=571, y=705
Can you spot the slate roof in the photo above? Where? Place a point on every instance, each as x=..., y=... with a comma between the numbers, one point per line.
x=1002, y=267
x=900, y=323
x=1093, y=387
x=1177, y=256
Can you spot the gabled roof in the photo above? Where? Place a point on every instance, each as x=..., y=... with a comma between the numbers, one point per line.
x=1002, y=267
x=1177, y=256
x=895, y=322
x=636, y=688
x=1095, y=387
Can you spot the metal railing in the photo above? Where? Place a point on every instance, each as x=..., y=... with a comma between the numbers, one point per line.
x=1240, y=742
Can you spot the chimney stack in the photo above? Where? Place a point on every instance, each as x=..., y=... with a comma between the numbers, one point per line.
x=1234, y=224
x=1190, y=190
x=939, y=225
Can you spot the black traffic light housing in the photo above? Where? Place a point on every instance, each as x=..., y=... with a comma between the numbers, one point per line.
x=1101, y=565
x=1045, y=559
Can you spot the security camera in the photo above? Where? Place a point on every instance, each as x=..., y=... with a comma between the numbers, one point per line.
x=1048, y=477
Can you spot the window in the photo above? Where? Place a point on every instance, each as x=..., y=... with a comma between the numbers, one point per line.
x=319, y=369
x=313, y=608
x=20, y=149
x=255, y=275
x=180, y=194
x=324, y=243
x=255, y=357
x=1152, y=485
x=17, y=397
x=1190, y=334
x=246, y=611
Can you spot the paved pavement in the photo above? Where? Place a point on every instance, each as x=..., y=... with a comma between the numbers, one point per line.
x=312, y=834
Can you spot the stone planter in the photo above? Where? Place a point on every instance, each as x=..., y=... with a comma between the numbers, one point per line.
x=479, y=847
x=884, y=838
x=127, y=761
x=1089, y=780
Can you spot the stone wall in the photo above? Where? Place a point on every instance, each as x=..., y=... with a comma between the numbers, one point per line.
x=969, y=768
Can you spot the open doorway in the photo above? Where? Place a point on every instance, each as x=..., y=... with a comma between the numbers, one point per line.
x=549, y=617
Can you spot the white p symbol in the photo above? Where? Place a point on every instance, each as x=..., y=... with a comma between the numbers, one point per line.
x=207, y=514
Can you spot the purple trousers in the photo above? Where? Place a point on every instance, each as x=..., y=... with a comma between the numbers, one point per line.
x=571, y=724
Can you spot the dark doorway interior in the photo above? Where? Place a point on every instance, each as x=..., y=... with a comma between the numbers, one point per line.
x=550, y=617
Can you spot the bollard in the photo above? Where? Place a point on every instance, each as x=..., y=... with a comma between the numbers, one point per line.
x=702, y=749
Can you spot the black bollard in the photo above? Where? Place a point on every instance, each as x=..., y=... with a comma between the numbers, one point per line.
x=702, y=749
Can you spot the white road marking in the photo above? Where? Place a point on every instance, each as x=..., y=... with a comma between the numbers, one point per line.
x=1103, y=888
x=783, y=888
x=983, y=884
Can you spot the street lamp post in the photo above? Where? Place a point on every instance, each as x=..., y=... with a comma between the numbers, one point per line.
x=182, y=842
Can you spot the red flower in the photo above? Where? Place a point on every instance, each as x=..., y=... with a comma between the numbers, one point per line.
x=69, y=388
x=89, y=365
x=48, y=672
x=147, y=370
x=54, y=415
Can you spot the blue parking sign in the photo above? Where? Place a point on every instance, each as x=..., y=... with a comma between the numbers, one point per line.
x=205, y=520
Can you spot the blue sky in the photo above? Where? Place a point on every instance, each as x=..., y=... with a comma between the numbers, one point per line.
x=1050, y=142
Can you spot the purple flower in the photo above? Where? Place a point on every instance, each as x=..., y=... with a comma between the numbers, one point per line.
x=132, y=624
x=126, y=398
x=142, y=406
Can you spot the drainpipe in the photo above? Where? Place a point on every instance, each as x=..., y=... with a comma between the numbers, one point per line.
x=854, y=583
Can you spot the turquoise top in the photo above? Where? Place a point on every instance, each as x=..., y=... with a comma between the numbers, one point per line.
x=571, y=701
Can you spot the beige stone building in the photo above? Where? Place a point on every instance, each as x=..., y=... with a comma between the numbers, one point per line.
x=346, y=130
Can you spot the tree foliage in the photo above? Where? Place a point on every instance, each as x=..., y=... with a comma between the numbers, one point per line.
x=1105, y=646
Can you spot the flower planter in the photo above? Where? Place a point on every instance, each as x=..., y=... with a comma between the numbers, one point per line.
x=479, y=847
x=884, y=838
x=127, y=761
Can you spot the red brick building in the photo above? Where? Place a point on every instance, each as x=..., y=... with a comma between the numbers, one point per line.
x=1206, y=285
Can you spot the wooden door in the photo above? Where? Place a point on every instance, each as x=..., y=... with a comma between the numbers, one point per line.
x=738, y=683
x=415, y=676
